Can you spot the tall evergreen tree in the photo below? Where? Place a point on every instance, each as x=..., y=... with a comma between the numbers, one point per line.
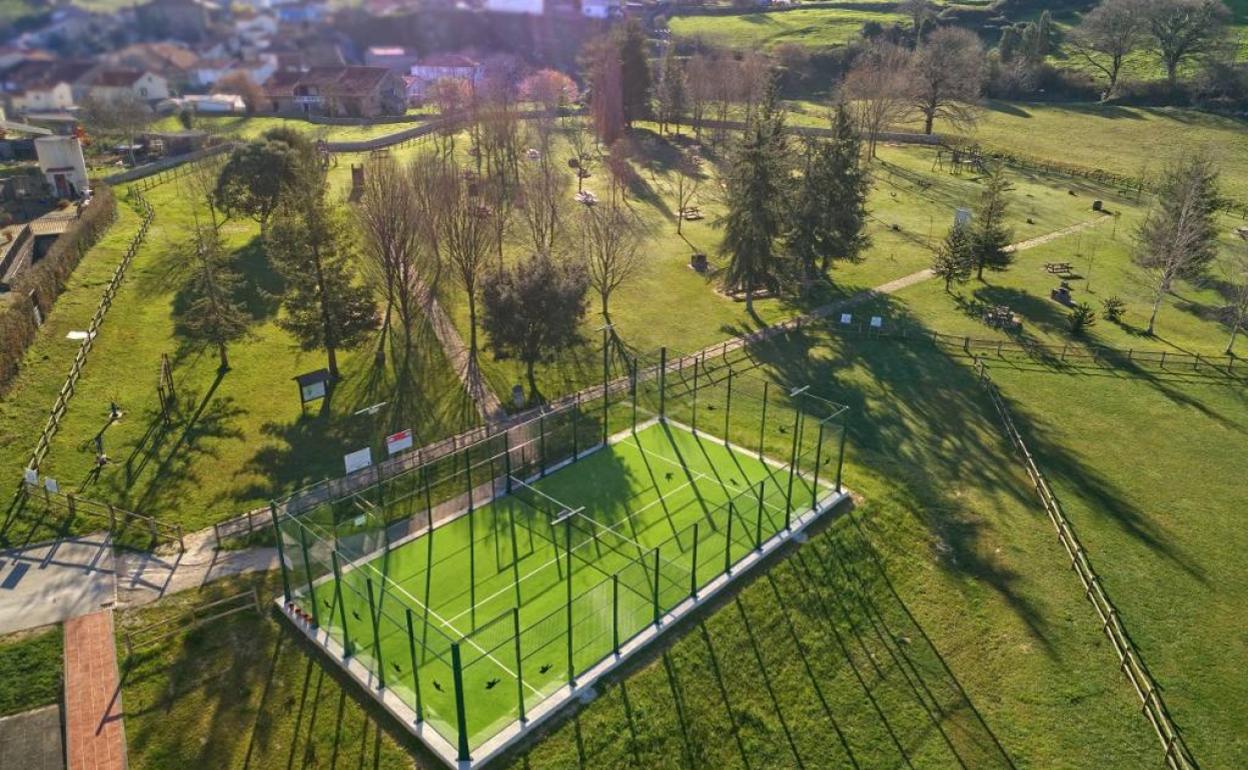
x=757, y=186
x=214, y=314
x=635, y=80
x=953, y=259
x=672, y=96
x=827, y=216
x=989, y=234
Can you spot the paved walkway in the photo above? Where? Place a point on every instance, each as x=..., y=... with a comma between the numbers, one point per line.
x=52, y=582
x=94, y=736
x=144, y=577
x=32, y=740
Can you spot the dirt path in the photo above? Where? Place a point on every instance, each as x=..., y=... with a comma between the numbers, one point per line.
x=465, y=366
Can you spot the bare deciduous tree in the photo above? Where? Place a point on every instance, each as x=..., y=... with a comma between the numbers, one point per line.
x=611, y=238
x=466, y=238
x=396, y=252
x=1178, y=238
x=948, y=75
x=878, y=90
x=1108, y=34
x=689, y=176
x=1181, y=29
x=1235, y=277
x=543, y=190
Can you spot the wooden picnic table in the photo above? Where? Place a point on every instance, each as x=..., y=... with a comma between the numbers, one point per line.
x=1057, y=268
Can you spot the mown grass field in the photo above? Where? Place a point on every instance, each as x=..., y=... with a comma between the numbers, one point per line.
x=934, y=625
x=807, y=27
x=233, y=441
x=1149, y=467
x=30, y=667
x=251, y=127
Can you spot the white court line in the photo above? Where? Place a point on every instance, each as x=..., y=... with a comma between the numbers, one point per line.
x=439, y=618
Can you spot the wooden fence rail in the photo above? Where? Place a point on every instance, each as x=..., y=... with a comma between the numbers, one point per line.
x=80, y=357
x=1177, y=754
x=146, y=636
x=124, y=527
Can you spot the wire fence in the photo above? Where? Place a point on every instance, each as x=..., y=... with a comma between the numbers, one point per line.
x=537, y=633
x=66, y=392
x=1177, y=754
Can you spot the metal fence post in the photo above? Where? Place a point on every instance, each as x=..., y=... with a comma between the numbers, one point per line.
x=277, y=532
x=658, y=610
x=615, y=612
x=762, y=424
x=695, y=396
x=662, y=382
x=814, y=494
x=693, y=570
x=541, y=444
x=515, y=623
x=728, y=541
x=372, y=614
x=567, y=540
x=788, y=495
x=342, y=606
x=307, y=565
x=758, y=524
x=461, y=719
x=840, y=454
x=728, y=410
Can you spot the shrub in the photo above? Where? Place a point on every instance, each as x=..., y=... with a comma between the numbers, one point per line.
x=1113, y=308
x=43, y=282
x=1082, y=316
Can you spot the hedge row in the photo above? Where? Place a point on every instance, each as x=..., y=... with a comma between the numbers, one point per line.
x=41, y=284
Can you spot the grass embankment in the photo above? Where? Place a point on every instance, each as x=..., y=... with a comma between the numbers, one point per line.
x=937, y=625
x=30, y=668
x=1149, y=467
x=242, y=692
x=252, y=126
x=235, y=439
x=807, y=27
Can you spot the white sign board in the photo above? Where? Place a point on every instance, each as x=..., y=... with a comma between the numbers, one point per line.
x=361, y=458
x=847, y=318
x=50, y=484
x=313, y=391
x=876, y=322
x=32, y=476
x=397, y=442
x=962, y=217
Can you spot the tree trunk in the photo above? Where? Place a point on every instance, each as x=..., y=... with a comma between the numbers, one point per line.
x=532, y=379
x=472, y=324
x=1152, y=319
x=1230, y=346
x=929, y=117
x=225, y=358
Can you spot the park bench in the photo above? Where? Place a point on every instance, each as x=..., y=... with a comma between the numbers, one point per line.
x=1057, y=268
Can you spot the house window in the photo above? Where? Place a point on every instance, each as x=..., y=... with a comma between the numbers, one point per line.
x=143, y=92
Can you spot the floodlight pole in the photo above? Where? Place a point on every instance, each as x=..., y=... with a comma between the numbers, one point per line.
x=567, y=540
x=281, y=555
x=515, y=552
x=411, y=648
x=424, y=473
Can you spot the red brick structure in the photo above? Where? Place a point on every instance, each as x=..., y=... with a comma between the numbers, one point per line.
x=94, y=736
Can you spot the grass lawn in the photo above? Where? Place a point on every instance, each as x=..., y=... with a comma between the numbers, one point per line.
x=252, y=126
x=234, y=440
x=910, y=207
x=24, y=409
x=242, y=692
x=936, y=625
x=30, y=667
x=1189, y=321
x=1150, y=470
x=808, y=27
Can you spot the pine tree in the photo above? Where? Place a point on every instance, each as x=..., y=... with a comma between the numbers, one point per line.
x=989, y=234
x=827, y=216
x=630, y=39
x=953, y=259
x=757, y=187
x=214, y=315
x=672, y=92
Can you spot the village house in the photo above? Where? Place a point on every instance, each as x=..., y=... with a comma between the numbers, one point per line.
x=363, y=92
x=442, y=66
x=114, y=82
x=39, y=85
x=175, y=63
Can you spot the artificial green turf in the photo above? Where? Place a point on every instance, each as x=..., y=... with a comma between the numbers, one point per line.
x=640, y=495
x=30, y=668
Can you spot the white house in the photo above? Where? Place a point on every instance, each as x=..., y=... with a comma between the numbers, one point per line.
x=111, y=83
x=531, y=7
x=442, y=66
x=215, y=103
x=43, y=86
x=62, y=164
